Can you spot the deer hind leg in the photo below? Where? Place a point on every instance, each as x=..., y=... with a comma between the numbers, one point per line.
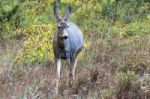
x=58, y=68
x=73, y=64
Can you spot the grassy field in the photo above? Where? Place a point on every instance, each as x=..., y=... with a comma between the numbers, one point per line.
x=115, y=63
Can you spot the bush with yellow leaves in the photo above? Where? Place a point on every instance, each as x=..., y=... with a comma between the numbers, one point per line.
x=38, y=46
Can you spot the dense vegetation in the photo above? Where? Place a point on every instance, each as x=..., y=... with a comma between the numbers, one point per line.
x=115, y=63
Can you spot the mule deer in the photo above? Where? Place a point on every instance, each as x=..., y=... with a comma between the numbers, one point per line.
x=67, y=44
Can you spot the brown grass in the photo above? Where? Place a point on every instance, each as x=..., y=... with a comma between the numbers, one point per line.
x=111, y=68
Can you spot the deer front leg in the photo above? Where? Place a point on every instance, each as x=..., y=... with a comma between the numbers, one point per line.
x=72, y=70
x=58, y=68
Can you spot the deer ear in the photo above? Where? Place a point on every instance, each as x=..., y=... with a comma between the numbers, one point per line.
x=68, y=12
x=56, y=12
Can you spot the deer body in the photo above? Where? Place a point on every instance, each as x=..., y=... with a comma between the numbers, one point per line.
x=67, y=44
x=66, y=48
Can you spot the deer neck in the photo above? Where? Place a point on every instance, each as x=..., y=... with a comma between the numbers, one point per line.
x=61, y=42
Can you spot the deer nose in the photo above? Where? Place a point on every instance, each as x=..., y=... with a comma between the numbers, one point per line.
x=65, y=37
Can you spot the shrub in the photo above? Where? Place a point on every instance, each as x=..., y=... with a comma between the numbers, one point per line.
x=38, y=46
x=127, y=86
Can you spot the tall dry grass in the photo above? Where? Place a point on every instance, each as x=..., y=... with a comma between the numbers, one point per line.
x=111, y=68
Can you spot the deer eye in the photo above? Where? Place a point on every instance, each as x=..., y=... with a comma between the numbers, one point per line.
x=66, y=26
